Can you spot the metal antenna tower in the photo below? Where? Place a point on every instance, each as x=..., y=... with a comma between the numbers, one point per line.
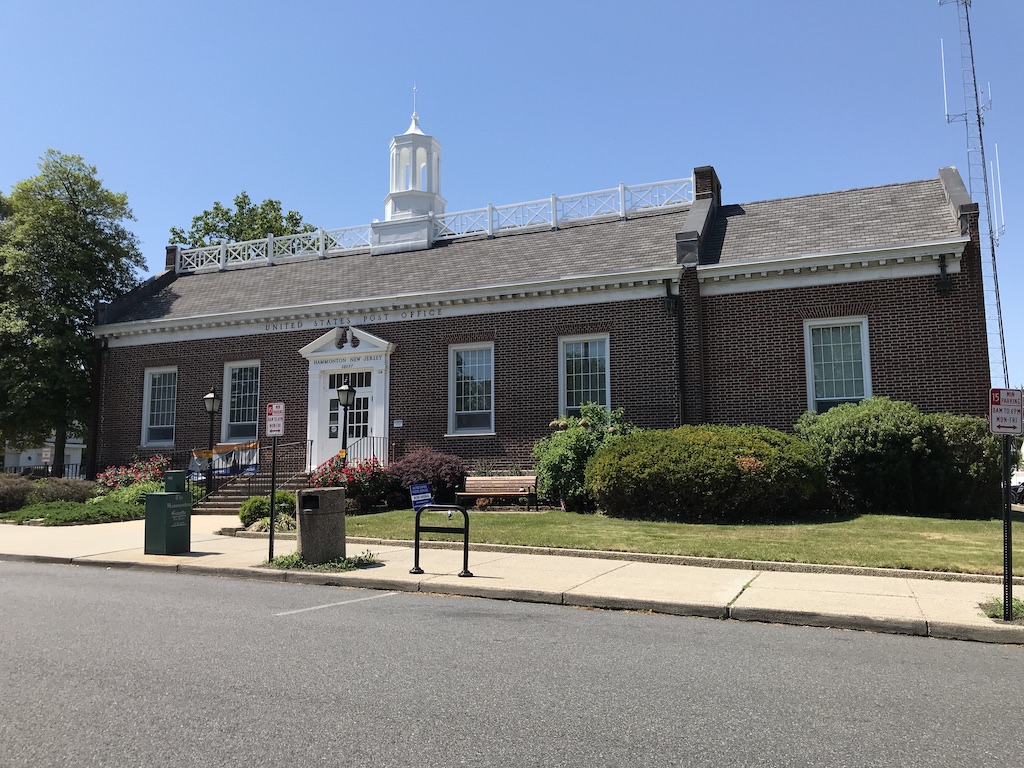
x=978, y=184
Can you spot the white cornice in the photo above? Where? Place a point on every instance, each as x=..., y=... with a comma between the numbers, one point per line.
x=830, y=268
x=570, y=290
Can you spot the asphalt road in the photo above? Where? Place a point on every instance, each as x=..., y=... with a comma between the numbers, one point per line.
x=125, y=668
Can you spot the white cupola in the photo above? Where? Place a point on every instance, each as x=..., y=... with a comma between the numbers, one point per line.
x=415, y=196
x=415, y=175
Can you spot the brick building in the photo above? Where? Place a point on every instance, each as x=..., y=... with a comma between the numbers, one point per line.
x=468, y=332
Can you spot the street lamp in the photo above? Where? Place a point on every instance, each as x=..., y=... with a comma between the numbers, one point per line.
x=212, y=404
x=346, y=399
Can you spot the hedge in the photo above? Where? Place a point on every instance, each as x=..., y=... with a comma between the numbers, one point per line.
x=707, y=474
x=885, y=456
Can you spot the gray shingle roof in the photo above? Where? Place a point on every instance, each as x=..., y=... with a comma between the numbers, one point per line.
x=890, y=215
x=896, y=214
x=596, y=247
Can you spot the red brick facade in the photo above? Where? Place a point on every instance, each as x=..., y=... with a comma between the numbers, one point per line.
x=925, y=347
x=642, y=357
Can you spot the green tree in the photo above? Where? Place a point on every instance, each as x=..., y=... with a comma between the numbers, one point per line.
x=243, y=222
x=63, y=248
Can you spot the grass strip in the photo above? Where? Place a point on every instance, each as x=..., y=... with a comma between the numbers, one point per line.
x=881, y=541
x=294, y=561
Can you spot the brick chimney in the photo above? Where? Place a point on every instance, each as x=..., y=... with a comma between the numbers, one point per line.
x=171, y=260
x=706, y=185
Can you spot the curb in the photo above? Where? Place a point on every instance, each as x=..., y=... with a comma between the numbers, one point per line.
x=996, y=633
x=642, y=557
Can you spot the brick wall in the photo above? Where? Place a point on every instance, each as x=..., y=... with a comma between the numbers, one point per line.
x=642, y=351
x=925, y=348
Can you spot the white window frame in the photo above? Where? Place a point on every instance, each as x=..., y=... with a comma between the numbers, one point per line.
x=147, y=395
x=562, y=393
x=225, y=407
x=453, y=349
x=865, y=352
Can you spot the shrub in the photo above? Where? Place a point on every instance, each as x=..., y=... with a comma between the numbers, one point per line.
x=562, y=458
x=869, y=452
x=282, y=523
x=139, y=471
x=707, y=474
x=70, y=513
x=131, y=494
x=444, y=472
x=14, y=492
x=285, y=502
x=885, y=456
x=366, y=482
x=961, y=473
x=256, y=507
x=62, y=489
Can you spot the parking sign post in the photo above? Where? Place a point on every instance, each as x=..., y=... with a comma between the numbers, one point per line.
x=275, y=428
x=1006, y=418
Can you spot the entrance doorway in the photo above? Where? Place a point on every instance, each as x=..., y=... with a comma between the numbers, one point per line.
x=361, y=423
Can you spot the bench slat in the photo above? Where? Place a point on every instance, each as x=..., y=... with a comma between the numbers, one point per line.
x=501, y=485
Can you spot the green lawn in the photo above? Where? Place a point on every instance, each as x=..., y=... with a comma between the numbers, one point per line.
x=966, y=546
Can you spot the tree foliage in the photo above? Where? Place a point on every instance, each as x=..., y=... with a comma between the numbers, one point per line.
x=562, y=458
x=245, y=221
x=64, y=247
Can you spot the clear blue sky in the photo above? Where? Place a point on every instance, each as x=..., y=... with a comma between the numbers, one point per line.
x=183, y=103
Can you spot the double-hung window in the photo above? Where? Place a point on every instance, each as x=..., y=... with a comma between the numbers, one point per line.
x=161, y=393
x=471, y=389
x=242, y=384
x=838, y=363
x=582, y=373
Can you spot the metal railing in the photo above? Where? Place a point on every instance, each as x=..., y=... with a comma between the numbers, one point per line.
x=365, y=448
x=619, y=201
x=46, y=470
x=291, y=462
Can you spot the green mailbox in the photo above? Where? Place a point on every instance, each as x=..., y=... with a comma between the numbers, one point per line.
x=174, y=481
x=168, y=523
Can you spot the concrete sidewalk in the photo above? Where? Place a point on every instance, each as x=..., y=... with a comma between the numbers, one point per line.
x=892, y=603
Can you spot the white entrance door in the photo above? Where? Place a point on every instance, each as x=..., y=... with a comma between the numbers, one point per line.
x=361, y=423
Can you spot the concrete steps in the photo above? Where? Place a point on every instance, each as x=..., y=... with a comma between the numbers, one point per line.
x=228, y=499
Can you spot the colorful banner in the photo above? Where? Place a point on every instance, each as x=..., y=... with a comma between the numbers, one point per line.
x=228, y=459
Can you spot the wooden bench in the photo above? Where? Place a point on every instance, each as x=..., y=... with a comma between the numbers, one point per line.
x=502, y=487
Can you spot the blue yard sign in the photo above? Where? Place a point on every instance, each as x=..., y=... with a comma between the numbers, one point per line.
x=421, y=497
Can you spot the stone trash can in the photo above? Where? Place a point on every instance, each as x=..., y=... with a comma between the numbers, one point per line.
x=320, y=514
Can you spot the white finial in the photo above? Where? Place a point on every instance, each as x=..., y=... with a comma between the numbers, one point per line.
x=414, y=126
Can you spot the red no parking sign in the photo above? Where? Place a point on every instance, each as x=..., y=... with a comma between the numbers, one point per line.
x=1005, y=412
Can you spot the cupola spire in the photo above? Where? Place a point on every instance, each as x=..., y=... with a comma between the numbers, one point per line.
x=414, y=198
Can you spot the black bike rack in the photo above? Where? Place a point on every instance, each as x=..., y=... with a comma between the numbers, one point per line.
x=464, y=530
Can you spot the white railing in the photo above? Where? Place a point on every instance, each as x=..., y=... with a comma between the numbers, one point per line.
x=551, y=212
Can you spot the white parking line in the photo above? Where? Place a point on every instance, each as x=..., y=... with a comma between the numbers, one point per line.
x=334, y=605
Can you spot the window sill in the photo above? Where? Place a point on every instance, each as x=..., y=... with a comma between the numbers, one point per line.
x=471, y=434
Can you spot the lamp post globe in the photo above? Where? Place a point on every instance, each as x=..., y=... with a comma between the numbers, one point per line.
x=212, y=404
x=346, y=399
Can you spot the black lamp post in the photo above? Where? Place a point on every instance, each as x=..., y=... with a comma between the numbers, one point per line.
x=346, y=399
x=212, y=405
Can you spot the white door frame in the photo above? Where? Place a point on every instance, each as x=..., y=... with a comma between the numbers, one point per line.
x=345, y=350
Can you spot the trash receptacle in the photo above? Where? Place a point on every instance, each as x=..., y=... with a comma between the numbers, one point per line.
x=320, y=515
x=168, y=523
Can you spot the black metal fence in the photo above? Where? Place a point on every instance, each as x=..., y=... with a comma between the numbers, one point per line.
x=46, y=470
